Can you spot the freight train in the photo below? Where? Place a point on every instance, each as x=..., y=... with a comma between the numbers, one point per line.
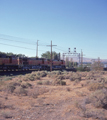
x=26, y=63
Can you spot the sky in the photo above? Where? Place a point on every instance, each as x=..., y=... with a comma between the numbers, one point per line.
x=67, y=23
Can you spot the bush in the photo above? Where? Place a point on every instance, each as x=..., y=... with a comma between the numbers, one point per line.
x=9, y=88
x=47, y=82
x=36, y=91
x=59, y=82
x=2, y=105
x=7, y=78
x=61, y=77
x=43, y=74
x=98, y=98
x=95, y=114
x=20, y=91
x=6, y=114
x=32, y=77
x=26, y=85
x=75, y=77
x=39, y=83
x=95, y=86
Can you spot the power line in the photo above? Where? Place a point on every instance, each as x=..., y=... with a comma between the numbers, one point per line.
x=16, y=41
x=17, y=46
x=15, y=37
x=59, y=49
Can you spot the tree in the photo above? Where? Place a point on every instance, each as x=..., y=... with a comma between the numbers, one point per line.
x=11, y=54
x=97, y=65
x=47, y=55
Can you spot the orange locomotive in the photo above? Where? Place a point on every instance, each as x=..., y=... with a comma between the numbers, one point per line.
x=13, y=63
x=10, y=62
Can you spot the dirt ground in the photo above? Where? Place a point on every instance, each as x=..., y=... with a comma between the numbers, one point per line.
x=56, y=103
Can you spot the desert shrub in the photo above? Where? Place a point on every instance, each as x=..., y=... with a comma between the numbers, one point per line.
x=61, y=77
x=67, y=76
x=26, y=85
x=47, y=82
x=31, y=77
x=7, y=78
x=95, y=114
x=26, y=77
x=39, y=83
x=38, y=73
x=36, y=91
x=58, y=72
x=93, y=75
x=37, y=78
x=98, y=98
x=9, y=88
x=80, y=105
x=68, y=88
x=65, y=73
x=84, y=74
x=80, y=94
x=6, y=114
x=54, y=74
x=20, y=91
x=2, y=105
x=51, y=74
x=75, y=77
x=20, y=76
x=43, y=74
x=2, y=83
x=95, y=86
x=15, y=83
x=58, y=82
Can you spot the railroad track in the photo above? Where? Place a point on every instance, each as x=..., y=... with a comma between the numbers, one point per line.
x=23, y=72
x=12, y=73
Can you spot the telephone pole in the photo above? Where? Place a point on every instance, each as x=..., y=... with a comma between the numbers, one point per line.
x=51, y=55
x=81, y=58
x=37, y=50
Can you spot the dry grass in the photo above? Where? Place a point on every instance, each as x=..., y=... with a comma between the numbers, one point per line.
x=55, y=95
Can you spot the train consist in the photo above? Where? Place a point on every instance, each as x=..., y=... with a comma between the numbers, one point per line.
x=18, y=63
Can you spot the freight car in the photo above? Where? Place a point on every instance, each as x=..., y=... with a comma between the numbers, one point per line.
x=16, y=63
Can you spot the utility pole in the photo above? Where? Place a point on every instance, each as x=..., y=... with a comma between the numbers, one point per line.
x=81, y=58
x=51, y=55
x=37, y=50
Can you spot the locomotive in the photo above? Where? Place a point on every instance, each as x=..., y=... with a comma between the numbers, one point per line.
x=26, y=63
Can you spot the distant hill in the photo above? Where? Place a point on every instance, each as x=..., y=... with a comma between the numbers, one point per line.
x=76, y=59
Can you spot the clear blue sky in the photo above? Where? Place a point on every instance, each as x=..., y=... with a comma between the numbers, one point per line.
x=68, y=23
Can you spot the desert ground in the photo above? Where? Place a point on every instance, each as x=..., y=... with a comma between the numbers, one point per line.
x=54, y=95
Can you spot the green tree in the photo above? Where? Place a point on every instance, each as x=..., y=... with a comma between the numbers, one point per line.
x=47, y=55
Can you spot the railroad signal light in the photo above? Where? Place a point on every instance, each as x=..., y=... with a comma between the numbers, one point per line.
x=74, y=50
x=69, y=50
